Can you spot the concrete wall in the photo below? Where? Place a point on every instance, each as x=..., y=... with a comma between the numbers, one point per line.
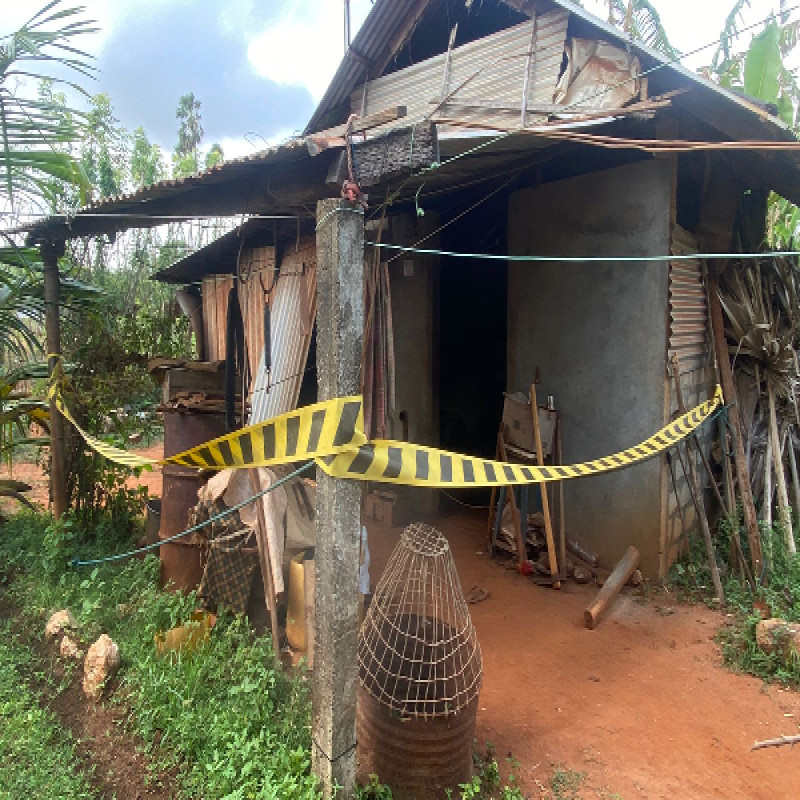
x=414, y=282
x=598, y=332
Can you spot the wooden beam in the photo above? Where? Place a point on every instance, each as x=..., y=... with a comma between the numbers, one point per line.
x=335, y=137
x=51, y=252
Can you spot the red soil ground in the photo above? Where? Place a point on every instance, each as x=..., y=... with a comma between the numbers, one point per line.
x=642, y=705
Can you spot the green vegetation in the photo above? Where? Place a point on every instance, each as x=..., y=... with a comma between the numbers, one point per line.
x=234, y=726
x=37, y=758
x=565, y=783
x=778, y=596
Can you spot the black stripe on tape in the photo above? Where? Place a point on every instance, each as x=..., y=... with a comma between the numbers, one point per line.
x=246, y=443
x=528, y=473
x=446, y=468
x=191, y=461
x=469, y=471
x=394, y=464
x=363, y=460
x=269, y=442
x=346, y=430
x=564, y=473
x=292, y=435
x=317, y=421
x=206, y=455
x=509, y=473
x=423, y=468
x=226, y=453
x=546, y=472
x=488, y=468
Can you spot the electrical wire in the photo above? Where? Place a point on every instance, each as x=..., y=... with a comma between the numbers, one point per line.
x=585, y=259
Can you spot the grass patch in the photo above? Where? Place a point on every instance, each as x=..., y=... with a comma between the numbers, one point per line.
x=234, y=726
x=779, y=593
x=37, y=757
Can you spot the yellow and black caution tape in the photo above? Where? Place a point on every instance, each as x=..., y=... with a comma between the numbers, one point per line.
x=332, y=433
x=323, y=429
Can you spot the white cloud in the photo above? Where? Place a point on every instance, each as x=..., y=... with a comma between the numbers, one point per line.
x=304, y=46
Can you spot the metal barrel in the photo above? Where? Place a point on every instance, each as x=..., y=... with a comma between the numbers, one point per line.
x=418, y=758
x=181, y=561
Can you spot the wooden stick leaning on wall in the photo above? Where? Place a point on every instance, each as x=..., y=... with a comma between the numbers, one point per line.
x=729, y=392
x=712, y=481
x=697, y=490
x=265, y=560
x=548, y=524
x=562, y=524
x=522, y=553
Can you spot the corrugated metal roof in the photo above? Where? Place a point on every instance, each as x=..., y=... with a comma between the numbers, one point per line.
x=491, y=69
x=145, y=207
x=383, y=27
x=218, y=256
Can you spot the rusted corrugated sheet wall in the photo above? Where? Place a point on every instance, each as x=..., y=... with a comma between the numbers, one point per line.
x=257, y=274
x=689, y=338
x=489, y=72
x=294, y=310
x=215, y=291
x=688, y=310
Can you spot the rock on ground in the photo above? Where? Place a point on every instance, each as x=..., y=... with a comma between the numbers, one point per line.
x=777, y=635
x=70, y=649
x=102, y=661
x=58, y=623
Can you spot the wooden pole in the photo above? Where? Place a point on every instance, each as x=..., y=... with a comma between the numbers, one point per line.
x=562, y=523
x=51, y=251
x=697, y=490
x=340, y=331
x=548, y=523
x=780, y=474
x=729, y=393
x=795, y=478
x=611, y=588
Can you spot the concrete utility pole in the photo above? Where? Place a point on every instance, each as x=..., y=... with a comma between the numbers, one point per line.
x=51, y=252
x=340, y=331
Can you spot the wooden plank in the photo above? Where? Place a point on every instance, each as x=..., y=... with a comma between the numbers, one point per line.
x=331, y=137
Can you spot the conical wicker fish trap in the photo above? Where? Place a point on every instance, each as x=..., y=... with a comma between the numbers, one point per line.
x=418, y=652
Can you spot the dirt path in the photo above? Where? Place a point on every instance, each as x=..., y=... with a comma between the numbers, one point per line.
x=107, y=754
x=642, y=705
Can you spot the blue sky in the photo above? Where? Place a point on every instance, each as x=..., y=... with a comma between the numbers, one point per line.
x=259, y=66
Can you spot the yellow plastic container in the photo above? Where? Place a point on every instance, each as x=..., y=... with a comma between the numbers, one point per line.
x=296, y=607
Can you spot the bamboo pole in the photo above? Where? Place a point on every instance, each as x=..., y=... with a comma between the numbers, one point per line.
x=729, y=393
x=766, y=505
x=795, y=479
x=780, y=474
